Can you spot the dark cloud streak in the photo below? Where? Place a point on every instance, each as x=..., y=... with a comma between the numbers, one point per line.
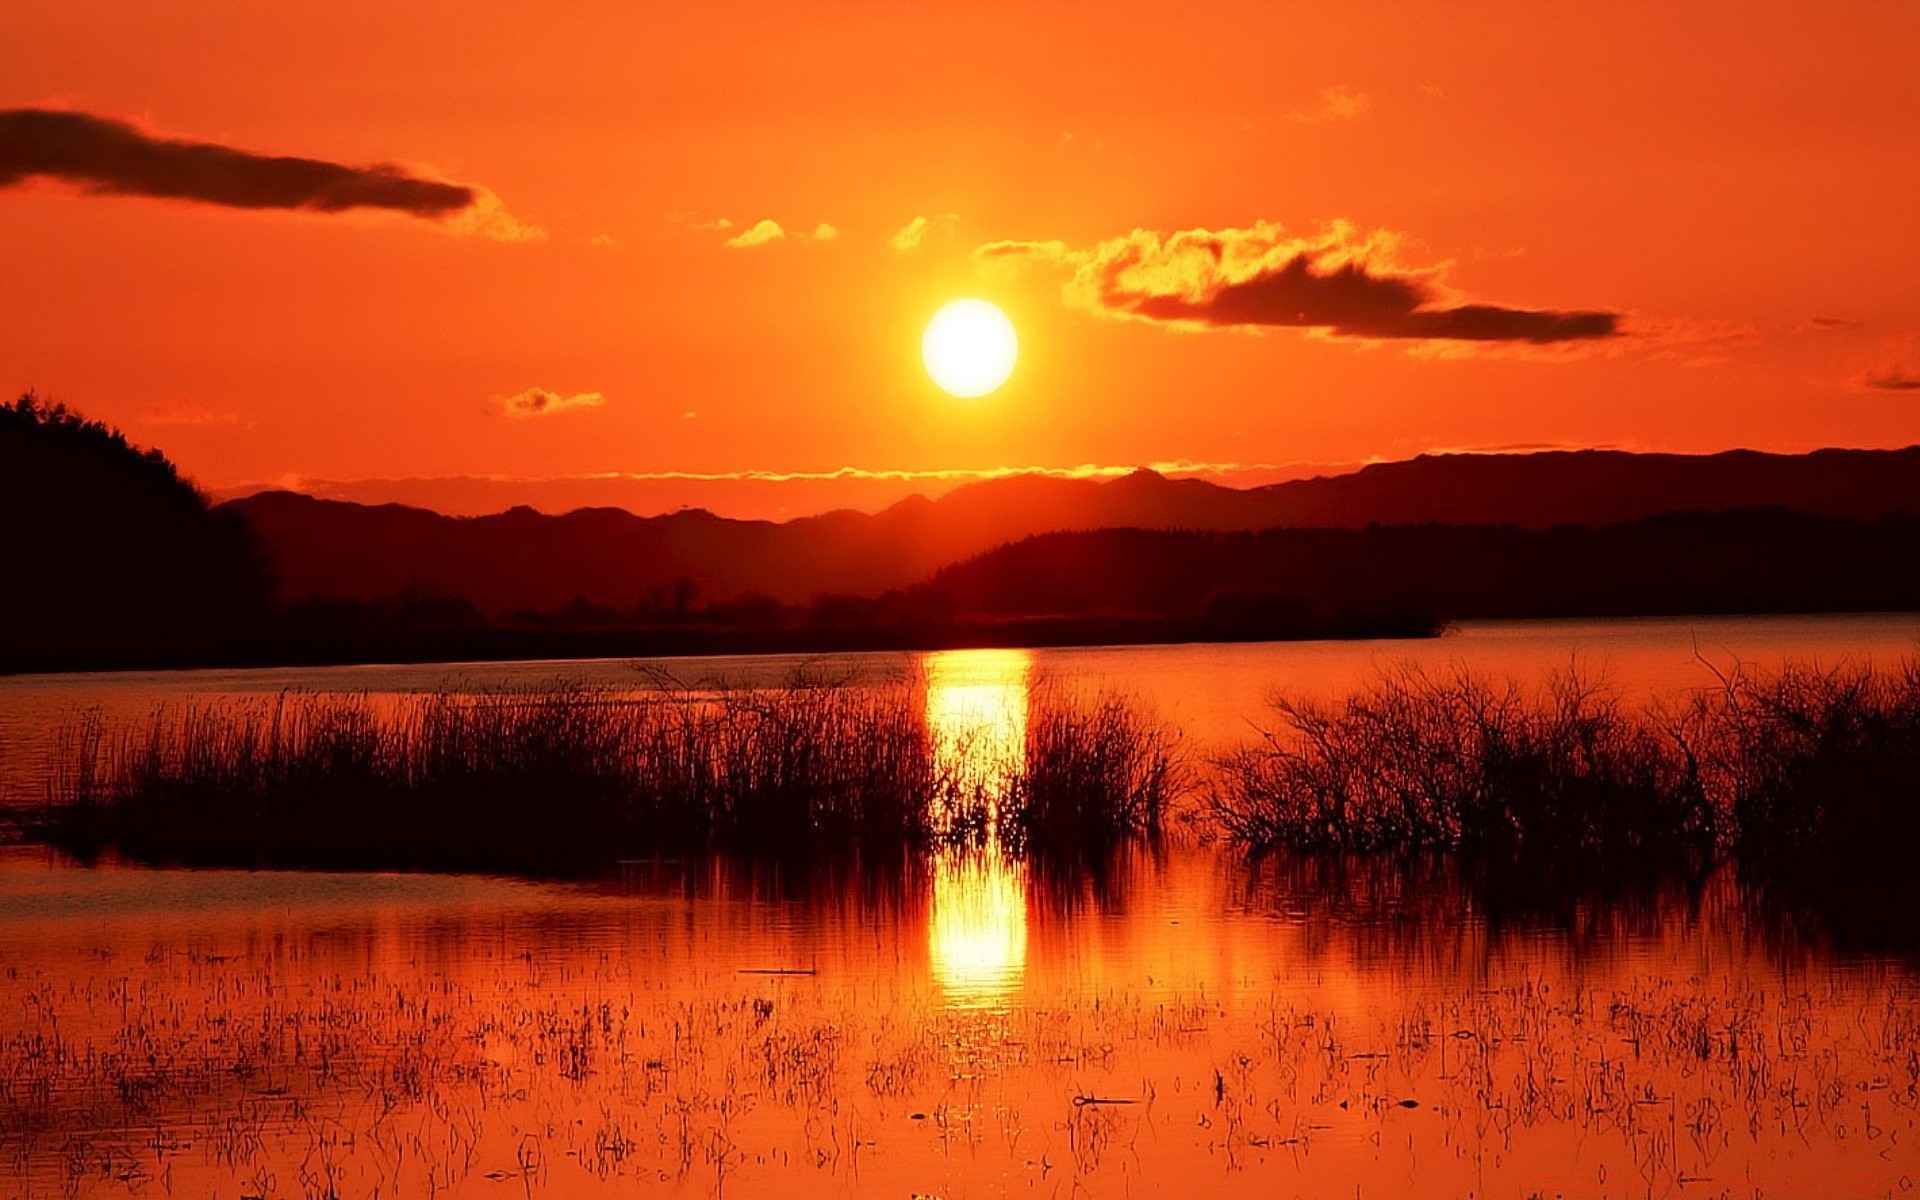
x=114, y=158
x=1352, y=302
x=1340, y=281
x=1896, y=380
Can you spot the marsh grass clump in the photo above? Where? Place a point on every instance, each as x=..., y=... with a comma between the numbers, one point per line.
x=572, y=780
x=1816, y=757
x=557, y=781
x=1802, y=768
x=1097, y=771
x=1820, y=771
x=1453, y=762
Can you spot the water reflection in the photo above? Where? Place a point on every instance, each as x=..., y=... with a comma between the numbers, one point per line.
x=718, y=1036
x=977, y=924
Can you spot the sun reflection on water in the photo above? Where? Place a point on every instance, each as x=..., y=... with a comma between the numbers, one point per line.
x=977, y=929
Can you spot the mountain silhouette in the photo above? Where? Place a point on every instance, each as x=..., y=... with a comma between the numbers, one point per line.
x=523, y=559
x=1745, y=560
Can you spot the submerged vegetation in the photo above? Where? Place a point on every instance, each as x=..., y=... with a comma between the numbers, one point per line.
x=1421, y=762
x=572, y=780
x=1804, y=772
x=520, y=1059
x=1095, y=773
x=1807, y=776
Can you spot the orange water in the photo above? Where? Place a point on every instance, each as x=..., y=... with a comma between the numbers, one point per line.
x=1183, y=1023
x=231, y=1033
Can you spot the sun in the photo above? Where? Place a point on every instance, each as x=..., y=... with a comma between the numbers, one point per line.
x=970, y=348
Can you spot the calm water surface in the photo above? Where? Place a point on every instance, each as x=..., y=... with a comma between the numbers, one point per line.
x=1182, y=1022
x=1210, y=692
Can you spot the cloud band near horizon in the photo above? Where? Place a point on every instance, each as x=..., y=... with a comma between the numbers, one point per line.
x=834, y=475
x=1341, y=281
x=109, y=157
x=541, y=402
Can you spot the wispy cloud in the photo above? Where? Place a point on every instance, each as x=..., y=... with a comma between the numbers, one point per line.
x=487, y=218
x=915, y=233
x=1891, y=365
x=838, y=474
x=186, y=414
x=766, y=232
x=761, y=234
x=1341, y=281
x=1498, y=448
x=760, y=494
x=541, y=402
x=1894, y=379
x=103, y=156
x=1336, y=104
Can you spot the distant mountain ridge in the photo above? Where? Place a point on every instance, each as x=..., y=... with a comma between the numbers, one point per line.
x=524, y=559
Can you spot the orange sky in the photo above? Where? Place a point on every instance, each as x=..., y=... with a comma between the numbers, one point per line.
x=1728, y=189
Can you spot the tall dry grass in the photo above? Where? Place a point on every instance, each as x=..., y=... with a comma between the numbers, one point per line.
x=1425, y=761
x=571, y=780
x=1098, y=769
x=1802, y=765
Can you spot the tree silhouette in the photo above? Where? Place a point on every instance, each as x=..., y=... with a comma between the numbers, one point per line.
x=111, y=556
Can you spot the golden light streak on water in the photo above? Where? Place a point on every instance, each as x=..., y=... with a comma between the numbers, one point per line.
x=977, y=922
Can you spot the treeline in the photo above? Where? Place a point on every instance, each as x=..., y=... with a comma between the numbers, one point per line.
x=110, y=555
x=1138, y=586
x=1749, y=561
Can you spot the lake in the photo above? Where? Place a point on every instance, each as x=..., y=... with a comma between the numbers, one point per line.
x=1175, y=1020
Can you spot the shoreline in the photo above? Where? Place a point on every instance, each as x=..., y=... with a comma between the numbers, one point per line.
x=532, y=645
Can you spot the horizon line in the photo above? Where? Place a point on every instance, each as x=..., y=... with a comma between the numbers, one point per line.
x=1298, y=470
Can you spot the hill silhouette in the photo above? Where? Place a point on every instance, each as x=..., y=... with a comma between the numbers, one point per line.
x=1748, y=560
x=522, y=559
x=111, y=556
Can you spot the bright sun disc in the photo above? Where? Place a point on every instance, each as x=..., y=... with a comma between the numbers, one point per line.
x=969, y=348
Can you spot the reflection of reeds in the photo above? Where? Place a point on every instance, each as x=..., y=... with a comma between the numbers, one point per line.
x=1804, y=763
x=584, y=1071
x=571, y=779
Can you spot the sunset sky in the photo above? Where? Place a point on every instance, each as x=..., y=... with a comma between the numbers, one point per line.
x=657, y=255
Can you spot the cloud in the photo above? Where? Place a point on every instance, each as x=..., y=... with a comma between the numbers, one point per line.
x=186, y=413
x=769, y=231
x=759, y=235
x=1551, y=447
x=1092, y=471
x=915, y=233
x=486, y=217
x=1336, y=104
x=539, y=402
x=1891, y=365
x=108, y=157
x=1834, y=325
x=1894, y=379
x=1340, y=282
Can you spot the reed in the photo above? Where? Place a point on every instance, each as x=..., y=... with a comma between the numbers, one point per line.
x=1098, y=770
x=1423, y=761
x=1820, y=771
x=571, y=780
x=1806, y=765
x=1813, y=756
